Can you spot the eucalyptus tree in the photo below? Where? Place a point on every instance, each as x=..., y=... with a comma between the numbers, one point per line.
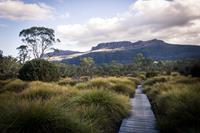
x=23, y=53
x=38, y=39
x=86, y=64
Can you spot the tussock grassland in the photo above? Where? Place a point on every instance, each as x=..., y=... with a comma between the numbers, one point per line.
x=68, y=81
x=121, y=85
x=38, y=107
x=15, y=85
x=176, y=102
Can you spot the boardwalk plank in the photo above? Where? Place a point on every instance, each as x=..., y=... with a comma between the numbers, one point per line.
x=141, y=119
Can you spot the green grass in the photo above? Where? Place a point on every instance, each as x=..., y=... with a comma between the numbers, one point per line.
x=68, y=81
x=22, y=116
x=40, y=90
x=154, y=80
x=15, y=85
x=179, y=109
x=103, y=109
x=121, y=85
x=176, y=103
x=37, y=107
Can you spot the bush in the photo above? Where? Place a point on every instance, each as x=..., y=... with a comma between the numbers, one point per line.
x=39, y=70
x=9, y=67
x=195, y=70
x=151, y=74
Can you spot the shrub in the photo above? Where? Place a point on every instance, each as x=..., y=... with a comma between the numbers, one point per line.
x=9, y=67
x=195, y=70
x=38, y=70
x=151, y=74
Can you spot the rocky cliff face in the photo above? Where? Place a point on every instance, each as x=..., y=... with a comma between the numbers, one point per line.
x=124, y=52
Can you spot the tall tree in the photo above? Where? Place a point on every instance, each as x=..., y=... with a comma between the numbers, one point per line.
x=86, y=64
x=142, y=63
x=23, y=53
x=39, y=39
x=1, y=53
x=9, y=67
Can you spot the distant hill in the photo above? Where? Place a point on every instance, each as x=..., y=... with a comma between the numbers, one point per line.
x=61, y=52
x=124, y=52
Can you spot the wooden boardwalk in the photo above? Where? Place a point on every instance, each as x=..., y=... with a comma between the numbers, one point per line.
x=142, y=119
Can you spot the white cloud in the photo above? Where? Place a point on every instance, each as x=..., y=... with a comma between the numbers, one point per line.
x=18, y=10
x=176, y=21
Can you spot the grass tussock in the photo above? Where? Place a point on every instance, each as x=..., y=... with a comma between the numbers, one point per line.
x=122, y=85
x=68, y=82
x=24, y=116
x=15, y=85
x=176, y=103
x=154, y=80
x=50, y=108
x=41, y=90
x=103, y=109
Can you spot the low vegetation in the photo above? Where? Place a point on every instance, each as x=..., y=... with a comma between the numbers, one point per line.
x=120, y=85
x=38, y=69
x=35, y=107
x=87, y=100
x=176, y=102
x=14, y=85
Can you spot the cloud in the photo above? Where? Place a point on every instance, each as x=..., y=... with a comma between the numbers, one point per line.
x=19, y=10
x=175, y=21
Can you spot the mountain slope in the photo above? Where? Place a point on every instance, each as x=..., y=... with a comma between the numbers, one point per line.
x=125, y=51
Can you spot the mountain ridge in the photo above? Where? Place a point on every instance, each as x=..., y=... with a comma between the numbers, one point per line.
x=124, y=52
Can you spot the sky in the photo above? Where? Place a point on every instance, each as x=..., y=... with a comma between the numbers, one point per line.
x=81, y=24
